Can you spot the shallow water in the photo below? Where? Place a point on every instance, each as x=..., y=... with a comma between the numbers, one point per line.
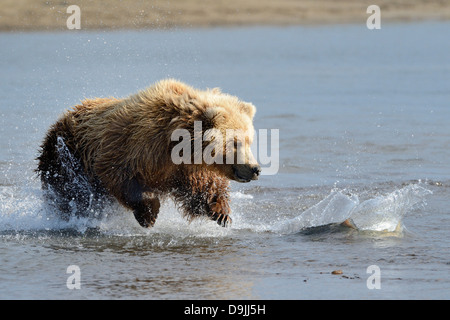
x=363, y=131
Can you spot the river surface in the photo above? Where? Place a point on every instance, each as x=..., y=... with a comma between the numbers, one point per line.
x=362, y=118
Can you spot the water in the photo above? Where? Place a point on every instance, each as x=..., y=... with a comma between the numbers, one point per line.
x=363, y=119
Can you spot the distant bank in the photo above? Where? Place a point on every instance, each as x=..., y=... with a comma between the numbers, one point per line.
x=34, y=15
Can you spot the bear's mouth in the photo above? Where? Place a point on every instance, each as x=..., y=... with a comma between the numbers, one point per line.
x=245, y=176
x=239, y=178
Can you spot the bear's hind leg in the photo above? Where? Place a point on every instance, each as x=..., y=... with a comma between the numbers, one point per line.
x=64, y=181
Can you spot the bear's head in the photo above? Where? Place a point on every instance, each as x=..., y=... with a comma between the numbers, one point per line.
x=228, y=137
x=220, y=130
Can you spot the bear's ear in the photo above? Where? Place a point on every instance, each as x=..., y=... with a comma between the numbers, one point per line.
x=214, y=114
x=215, y=90
x=176, y=87
x=247, y=108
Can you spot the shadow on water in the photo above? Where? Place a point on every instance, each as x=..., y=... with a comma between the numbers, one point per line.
x=329, y=229
x=339, y=233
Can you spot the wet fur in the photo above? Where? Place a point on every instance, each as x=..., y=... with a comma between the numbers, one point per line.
x=121, y=148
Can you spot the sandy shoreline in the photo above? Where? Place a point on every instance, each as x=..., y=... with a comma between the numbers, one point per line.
x=30, y=15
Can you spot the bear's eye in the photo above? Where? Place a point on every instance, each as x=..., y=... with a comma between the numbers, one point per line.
x=238, y=144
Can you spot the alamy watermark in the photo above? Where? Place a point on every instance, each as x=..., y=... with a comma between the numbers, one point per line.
x=374, y=280
x=374, y=20
x=74, y=280
x=74, y=20
x=235, y=147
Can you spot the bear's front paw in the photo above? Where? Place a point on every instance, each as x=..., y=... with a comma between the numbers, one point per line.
x=222, y=220
x=145, y=220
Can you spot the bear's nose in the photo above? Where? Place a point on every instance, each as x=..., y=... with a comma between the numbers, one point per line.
x=256, y=170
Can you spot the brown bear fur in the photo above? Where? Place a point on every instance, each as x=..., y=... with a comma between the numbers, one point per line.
x=121, y=148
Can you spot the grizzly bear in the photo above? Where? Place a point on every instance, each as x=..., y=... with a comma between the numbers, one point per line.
x=108, y=148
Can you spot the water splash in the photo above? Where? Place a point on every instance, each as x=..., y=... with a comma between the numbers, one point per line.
x=382, y=213
x=335, y=208
x=23, y=209
x=385, y=213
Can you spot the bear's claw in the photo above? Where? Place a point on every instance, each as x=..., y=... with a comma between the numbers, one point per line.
x=222, y=220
